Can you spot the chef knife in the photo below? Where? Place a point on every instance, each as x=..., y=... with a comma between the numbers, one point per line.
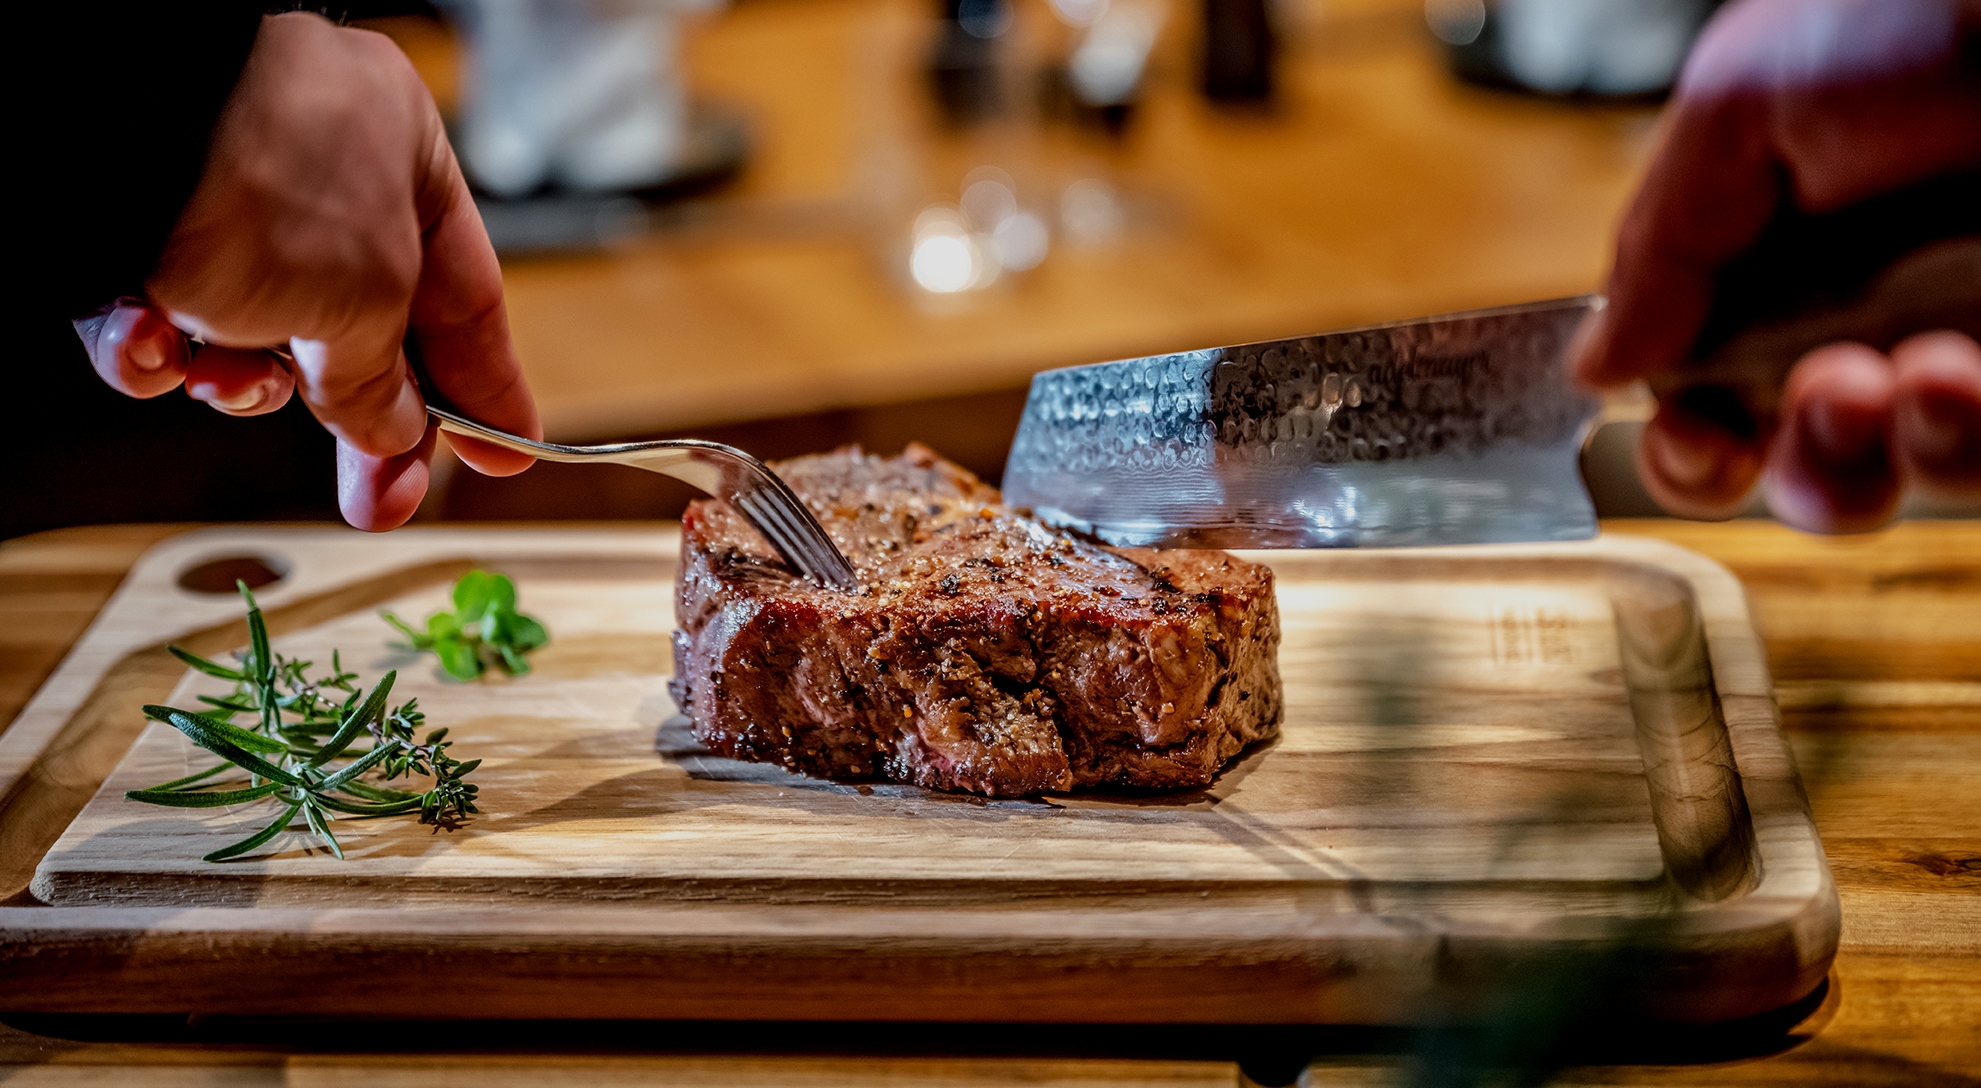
x=1457, y=429
x=1465, y=428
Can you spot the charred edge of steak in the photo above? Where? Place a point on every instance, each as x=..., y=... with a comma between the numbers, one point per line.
x=985, y=652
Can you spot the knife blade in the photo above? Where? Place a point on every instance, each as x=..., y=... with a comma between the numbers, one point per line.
x=1457, y=429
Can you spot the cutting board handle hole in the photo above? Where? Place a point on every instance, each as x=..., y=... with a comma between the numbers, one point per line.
x=219, y=575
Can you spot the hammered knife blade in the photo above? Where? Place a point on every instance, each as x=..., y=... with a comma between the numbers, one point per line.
x=1457, y=429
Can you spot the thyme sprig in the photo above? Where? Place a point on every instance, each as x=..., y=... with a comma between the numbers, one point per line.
x=304, y=727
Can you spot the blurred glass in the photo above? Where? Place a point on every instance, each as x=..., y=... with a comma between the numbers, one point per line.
x=1107, y=65
x=964, y=59
x=583, y=95
x=1595, y=47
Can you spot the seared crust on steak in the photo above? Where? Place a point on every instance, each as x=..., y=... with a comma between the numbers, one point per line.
x=985, y=652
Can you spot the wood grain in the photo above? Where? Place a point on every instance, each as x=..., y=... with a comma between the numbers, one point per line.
x=50, y=588
x=1905, y=992
x=548, y=1071
x=1460, y=788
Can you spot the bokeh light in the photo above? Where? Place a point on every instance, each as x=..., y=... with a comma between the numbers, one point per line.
x=944, y=258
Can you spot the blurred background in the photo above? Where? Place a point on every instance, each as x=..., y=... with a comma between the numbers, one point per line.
x=790, y=224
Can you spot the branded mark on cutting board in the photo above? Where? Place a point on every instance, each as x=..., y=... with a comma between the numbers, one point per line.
x=1525, y=636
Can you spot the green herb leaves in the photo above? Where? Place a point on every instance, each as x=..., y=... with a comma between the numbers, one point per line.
x=302, y=727
x=483, y=629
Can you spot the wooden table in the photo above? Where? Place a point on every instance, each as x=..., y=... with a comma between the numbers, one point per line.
x=1875, y=645
x=1377, y=187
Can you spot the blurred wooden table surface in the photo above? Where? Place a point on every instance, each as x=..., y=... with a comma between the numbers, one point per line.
x=1875, y=645
x=1378, y=187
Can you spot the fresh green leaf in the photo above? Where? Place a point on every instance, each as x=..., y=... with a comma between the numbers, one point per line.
x=525, y=633
x=458, y=657
x=302, y=755
x=382, y=808
x=253, y=742
x=319, y=822
x=472, y=595
x=181, y=783
x=419, y=640
x=442, y=626
x=483, y=627
x=259, y=837
x=210, y=668
x=371, y=759
x=479, y=592
x=202, y=798
x=261, y=657
x=356, y=721
x=197, y=728
x=360, y=788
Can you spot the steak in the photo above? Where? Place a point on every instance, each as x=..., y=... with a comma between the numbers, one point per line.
x=984, y=652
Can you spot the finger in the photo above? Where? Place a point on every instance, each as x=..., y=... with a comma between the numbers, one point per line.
x=1936, y=417
x=134, y=349
x=237, y=381
x=1699, y=460
x=1828, y=102
x=381, y=493
x=459, y=324
x=1830, y=469
x=1707, y=195
x=360, y=387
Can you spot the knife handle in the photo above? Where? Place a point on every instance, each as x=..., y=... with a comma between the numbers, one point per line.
x=1876, y=272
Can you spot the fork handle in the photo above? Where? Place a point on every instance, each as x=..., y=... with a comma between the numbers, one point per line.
x=455, y=423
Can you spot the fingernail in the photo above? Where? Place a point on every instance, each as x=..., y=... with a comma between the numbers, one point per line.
x=242, y=401
x=147, y=354
x=1689, y=466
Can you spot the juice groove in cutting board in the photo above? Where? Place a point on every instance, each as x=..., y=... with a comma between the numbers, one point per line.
x=1491, y=758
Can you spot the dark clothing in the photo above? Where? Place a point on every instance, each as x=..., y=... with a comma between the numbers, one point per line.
x=115, y=103
x=123, y=103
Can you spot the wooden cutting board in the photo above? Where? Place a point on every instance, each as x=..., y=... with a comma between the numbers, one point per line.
x=1496, y=763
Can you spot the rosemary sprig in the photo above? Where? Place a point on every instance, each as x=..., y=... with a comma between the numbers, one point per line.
x=483, y=629
x=302, y=728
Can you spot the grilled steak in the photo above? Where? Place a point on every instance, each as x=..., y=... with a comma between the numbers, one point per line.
x=985, y=651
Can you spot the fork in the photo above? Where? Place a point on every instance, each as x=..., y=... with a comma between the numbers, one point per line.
x=729, y=474
x=766, y=502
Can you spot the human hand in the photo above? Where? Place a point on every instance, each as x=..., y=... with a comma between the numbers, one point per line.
x=332, y=220
x=1800, y=110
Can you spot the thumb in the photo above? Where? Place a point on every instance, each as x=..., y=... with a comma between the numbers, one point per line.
x=381, y=493
x=361, y=388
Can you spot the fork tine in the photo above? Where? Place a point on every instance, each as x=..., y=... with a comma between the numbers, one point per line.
x=829, y=564
x=764, y=518
x=766, y=502
x=798, y=535
x=795, y=534
x=795, y=521
x=765, y=523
